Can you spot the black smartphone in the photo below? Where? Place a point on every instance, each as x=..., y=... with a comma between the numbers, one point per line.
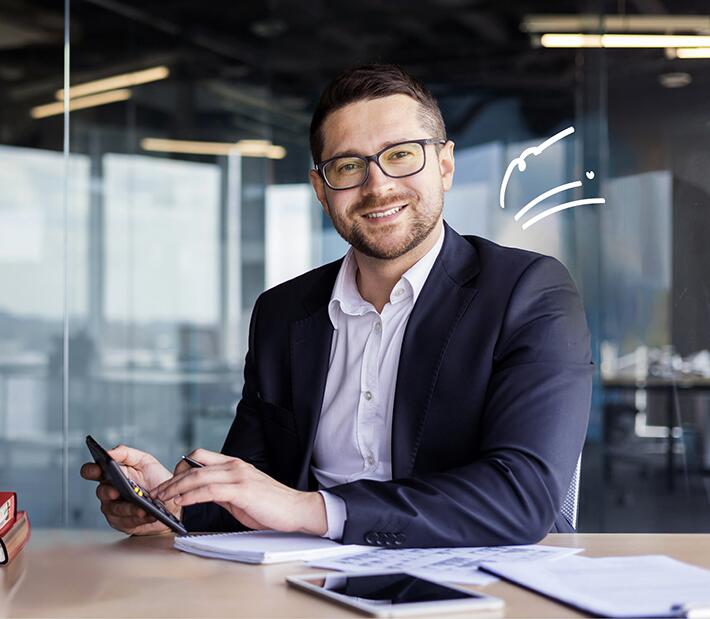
x=130, y=490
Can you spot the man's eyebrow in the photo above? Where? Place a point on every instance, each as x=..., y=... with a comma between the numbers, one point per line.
x=348, y=153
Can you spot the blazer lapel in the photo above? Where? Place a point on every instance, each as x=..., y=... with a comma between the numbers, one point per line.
x=310, y=342
x=442, y=302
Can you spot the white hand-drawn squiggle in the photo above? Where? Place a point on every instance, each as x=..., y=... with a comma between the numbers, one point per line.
x=544, y=196
x=522, y=165
x=561, y=207
x=520, y=161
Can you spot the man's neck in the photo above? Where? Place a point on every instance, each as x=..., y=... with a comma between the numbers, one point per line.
x=375, y=277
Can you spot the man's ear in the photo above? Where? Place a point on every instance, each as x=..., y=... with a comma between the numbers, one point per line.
x=447, y=165
x=319, y=187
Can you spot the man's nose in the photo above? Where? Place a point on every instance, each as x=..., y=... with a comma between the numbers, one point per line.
x=376, y=178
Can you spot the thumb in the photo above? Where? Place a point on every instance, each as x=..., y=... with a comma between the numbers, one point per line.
x=127, y=455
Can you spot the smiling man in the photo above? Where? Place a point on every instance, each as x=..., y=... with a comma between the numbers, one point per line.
x=428, y=389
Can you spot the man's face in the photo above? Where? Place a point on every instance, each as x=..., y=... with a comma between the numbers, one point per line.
x=365, y=128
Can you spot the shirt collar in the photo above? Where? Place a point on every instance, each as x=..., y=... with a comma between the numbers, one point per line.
x=417, y=275
x=346, y=297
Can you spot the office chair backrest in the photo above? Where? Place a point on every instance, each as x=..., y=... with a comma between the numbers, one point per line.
x=569, y=505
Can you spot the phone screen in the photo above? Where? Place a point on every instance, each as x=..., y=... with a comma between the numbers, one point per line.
x=389, y=589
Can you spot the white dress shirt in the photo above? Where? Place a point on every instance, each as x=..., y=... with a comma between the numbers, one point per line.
x=353, y=440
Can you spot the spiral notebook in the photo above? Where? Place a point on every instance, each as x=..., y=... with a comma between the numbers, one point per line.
x=264, y=546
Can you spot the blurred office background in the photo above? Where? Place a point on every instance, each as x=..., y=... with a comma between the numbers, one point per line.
x=138, y=226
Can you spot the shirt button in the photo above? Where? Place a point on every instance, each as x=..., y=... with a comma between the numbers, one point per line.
x=378, y=327
x=399, y=292
x=367, y=395
x=370, y=460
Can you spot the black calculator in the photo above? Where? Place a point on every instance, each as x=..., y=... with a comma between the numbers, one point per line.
x=130, y=490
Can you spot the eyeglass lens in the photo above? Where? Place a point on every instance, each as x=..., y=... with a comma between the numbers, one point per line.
x=399, y=160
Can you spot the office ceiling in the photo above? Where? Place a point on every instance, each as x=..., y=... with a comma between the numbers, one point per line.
x=240, y=63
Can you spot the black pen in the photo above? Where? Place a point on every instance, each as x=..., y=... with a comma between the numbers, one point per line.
x=193, y=463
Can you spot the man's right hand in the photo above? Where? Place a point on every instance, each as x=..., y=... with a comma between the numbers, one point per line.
x=148, y=473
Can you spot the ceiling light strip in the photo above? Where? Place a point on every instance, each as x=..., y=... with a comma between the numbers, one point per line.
x=619, y=41
x=616, y=23
x=245, y=148
x=692, y=52
x=53, y=109
x=124, y=80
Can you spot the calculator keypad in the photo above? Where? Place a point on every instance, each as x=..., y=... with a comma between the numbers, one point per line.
x=157, y=503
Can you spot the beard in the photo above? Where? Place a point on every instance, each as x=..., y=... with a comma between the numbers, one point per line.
x=373, y=244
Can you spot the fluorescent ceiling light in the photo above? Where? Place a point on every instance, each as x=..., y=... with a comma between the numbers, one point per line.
x=675, y=80
x=245, y=148
x=571, y=40
x=117, y=81
x=692, y=52
x=52, y=109
x=616, y=23
x=623, y=40
x=651, y=40
x=260, y=148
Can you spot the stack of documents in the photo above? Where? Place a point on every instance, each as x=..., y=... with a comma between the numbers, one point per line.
x=645, y=586
x=459, y=565
x=263, y=546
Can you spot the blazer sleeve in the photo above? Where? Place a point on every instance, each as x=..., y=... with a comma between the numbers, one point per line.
x=244, y=440
x=533, y=427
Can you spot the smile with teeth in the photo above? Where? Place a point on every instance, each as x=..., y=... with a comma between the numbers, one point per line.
x=391, y=211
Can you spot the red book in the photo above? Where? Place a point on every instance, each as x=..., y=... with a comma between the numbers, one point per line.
x=8, y=508
x=14, y=539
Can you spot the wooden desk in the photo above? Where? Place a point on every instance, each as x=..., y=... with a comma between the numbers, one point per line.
x=103, y=574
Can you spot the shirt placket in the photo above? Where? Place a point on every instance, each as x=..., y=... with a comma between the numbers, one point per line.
x=370, y=397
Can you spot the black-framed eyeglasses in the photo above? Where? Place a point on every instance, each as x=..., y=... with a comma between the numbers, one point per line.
x=396, y=161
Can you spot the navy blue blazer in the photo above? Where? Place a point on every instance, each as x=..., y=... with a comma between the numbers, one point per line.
x=490, y=410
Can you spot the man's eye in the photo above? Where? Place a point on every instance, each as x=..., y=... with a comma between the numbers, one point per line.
x=400, y=154
x=345, y=168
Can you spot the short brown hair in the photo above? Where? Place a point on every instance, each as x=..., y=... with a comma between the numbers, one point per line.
x=373, y=81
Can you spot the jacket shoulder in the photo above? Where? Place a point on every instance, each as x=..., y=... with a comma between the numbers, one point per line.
x=293, y=293
x=513, y=261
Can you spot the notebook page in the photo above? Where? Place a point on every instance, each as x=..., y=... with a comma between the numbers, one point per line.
x=264, y=546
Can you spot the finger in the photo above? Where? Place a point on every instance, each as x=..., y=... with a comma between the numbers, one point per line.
x=91, y=471
x=160, y=488
x=181, y=467
x=106, y=492
x=168, y=488
x=130, y=523
x=196, y=478
x=213, y=492
x=206, y=457
x=127, y=455
x=184, y=471
x=124, y=509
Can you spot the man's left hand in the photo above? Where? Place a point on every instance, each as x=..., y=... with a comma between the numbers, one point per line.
x=252, y=497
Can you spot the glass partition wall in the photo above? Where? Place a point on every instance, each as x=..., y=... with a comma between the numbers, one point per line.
x=35, y=255
x=138, y=226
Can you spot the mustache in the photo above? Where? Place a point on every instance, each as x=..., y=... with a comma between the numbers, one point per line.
x=373, y=202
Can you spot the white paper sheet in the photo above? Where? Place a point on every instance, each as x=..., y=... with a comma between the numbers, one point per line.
x=459, y=565
x=263, y=546
x=643, y=586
